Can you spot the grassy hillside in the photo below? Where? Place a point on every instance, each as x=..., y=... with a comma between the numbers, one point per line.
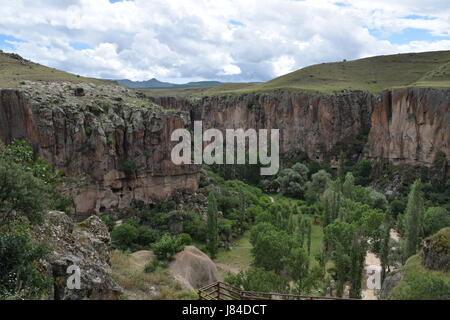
x=428, y=69
x=375, y=74
x=14, y=69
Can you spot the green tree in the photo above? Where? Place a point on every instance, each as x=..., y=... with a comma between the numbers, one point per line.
x=315, y=188
x=212, y=226
x=21, y=194
x=340, y=235
x=413, y=220
x=167, y=247
x=341, y=170
x=435, y=219
x=297, y=263
x=293, y=181
x=348, y=188
x=20, y=274
x=270, y=249
x=259, y=280
x=124, y=236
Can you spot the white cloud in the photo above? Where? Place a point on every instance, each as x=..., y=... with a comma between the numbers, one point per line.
x=195, y=39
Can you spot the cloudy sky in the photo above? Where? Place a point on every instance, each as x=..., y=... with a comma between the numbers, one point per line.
x=227, y=40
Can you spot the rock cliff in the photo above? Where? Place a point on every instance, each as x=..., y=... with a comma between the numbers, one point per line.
x=401, y=125
x=411, y=126
x=311, y=124
x=119, y=142
x=85, y=245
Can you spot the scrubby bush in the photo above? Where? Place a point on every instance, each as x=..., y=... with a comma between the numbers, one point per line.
x=151, y=266
x=259, y=280
x=108, y=222
x=19, y=264
x=435, y=219
x=293, y=181
x=166, y=248
x=124, y=236
x=146, y=236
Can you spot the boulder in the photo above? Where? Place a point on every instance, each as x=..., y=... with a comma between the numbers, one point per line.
x=193, y=269
x=436, y=251
x=84, y=245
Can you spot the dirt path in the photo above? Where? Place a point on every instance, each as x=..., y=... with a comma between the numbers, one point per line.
x=373, y=260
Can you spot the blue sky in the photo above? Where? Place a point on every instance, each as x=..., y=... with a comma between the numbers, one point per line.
x=226, y=40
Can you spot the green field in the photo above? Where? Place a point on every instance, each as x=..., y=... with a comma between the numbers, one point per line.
x=239, y=256
x=375, y=74
x=428, y=69
x=13, y=71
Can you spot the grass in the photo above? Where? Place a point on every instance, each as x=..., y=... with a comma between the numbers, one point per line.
x=138, y=285
x=419, y=283
x=240, y=256
x=375, y=74
x=14, y=71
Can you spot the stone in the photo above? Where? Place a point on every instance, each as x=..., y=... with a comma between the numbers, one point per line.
x=92, y=140
x=436, y=251
x=85, y=245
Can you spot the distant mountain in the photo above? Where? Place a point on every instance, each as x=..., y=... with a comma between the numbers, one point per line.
x=156, y=84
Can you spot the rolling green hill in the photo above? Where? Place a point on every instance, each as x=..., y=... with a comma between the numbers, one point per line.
x=428, y=69
x=375, y=74
x=14, y=69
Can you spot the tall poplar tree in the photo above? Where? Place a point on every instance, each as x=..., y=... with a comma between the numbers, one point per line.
x=413, y=220
x=213, y=232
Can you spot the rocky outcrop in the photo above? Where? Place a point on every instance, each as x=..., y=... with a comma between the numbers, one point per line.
x=84, y=245
x=193, y=269
x=436, y=251
x=411, y=126
x=391, y=281
x=311, y=124
x=401, y=125
x=115, y=144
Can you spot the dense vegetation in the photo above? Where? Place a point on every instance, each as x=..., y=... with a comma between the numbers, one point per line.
x=28, y=187
x=353, y=219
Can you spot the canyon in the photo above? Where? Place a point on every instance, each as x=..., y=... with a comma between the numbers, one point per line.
x=115, y=142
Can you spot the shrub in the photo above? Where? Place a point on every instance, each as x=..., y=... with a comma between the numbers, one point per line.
x=20, y=274
x=166, y=248
x=151, y=266
x=129, y=167
x=124, y=236
x=193, y=226
x=108, y=221
x=20, y=193
x=435, y=219
x=258, y=279
x=184, y=240
x=147, y=236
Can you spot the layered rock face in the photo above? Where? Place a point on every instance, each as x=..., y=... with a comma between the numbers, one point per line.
x=85, y=245
x=311, y=124
x=411, y=126
x=402, y=125
x=116, y=144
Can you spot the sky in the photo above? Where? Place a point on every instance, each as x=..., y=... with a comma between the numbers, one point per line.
x=225, y=40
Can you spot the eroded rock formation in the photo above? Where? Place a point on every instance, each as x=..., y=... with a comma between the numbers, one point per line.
x=85, y=245
x=411, y=126
x=309, y=123
x=115, y=144
x=400, y=125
